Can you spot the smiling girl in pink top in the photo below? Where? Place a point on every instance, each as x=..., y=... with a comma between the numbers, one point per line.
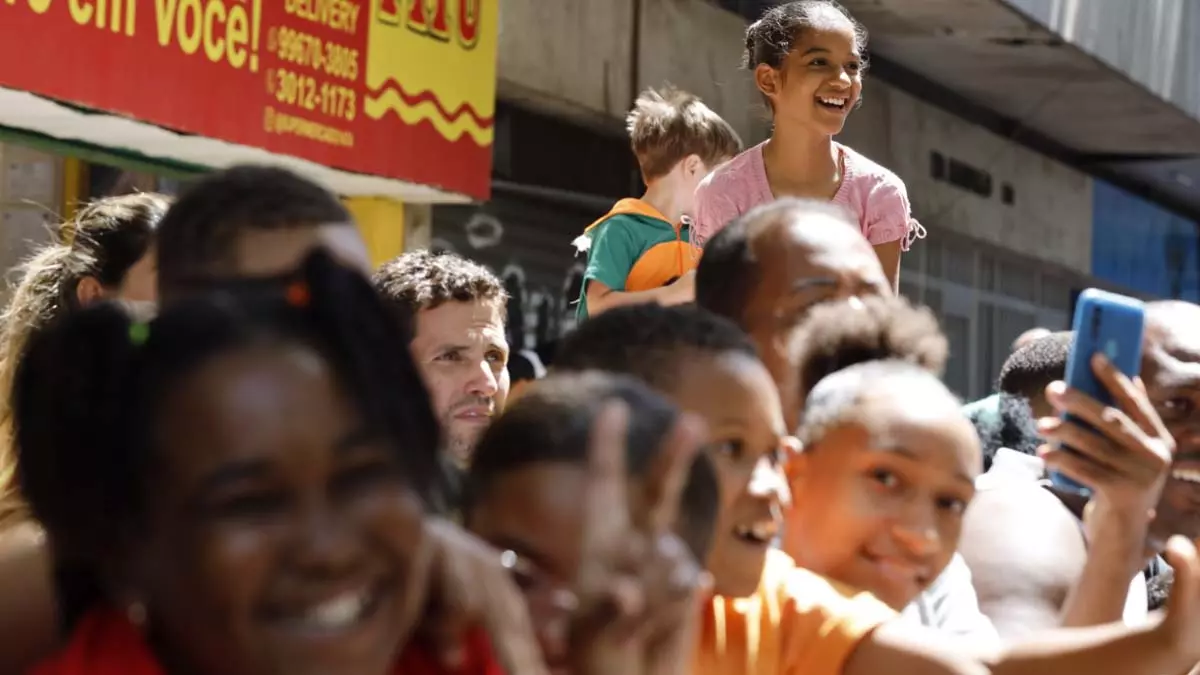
x=807, y=60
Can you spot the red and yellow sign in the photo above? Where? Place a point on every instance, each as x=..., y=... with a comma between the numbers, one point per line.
x=398, y=88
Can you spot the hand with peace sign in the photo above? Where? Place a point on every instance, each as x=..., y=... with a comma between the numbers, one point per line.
x=457, y=584
x=638, y=586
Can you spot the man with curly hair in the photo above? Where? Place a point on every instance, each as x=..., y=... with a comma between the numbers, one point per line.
x=1007, y=420
x=459, y=310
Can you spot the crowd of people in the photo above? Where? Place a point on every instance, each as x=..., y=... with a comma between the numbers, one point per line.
x=230, y=445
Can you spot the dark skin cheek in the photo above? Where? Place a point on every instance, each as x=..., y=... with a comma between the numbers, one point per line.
x=217, y=560
x=1177, y=511
x=393, y=527
x=207, y=569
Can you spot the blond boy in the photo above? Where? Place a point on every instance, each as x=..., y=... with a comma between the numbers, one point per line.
x=640, y=251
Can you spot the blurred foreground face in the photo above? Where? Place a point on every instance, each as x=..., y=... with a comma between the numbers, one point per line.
x=535, y=515
x=735, y=396
x=265, y=253
x=530, y=486
x=462, y=352
x=141, y=281
x=138, y=286
x=280, y=529
x=1171, y=373
x=262, y=253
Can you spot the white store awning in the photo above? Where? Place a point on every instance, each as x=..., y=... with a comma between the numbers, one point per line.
x=34, y=114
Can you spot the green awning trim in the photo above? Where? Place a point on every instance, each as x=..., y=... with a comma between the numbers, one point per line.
x=130, y=160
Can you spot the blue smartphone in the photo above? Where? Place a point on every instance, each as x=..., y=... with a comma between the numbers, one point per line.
x=1112, y=325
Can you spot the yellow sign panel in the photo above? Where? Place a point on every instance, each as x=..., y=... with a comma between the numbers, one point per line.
x=435, y=61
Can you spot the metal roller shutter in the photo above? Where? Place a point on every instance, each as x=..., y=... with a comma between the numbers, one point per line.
x=524, y=235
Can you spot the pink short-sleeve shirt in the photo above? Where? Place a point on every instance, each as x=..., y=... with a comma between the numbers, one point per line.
x=870, y=193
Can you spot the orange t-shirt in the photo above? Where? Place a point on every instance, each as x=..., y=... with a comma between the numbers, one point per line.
x=796, y=623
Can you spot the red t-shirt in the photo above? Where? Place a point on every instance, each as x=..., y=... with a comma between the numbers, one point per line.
x=478, y=659
x=105, y=643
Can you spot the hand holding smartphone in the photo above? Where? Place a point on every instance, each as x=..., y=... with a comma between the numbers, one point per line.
x=1112, y=325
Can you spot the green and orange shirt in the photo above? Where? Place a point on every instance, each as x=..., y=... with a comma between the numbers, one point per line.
x=634, y=248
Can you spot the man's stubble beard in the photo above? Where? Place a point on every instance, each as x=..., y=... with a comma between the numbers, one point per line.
x=460, y=448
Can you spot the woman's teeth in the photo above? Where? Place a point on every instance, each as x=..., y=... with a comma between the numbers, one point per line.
x=337, y=613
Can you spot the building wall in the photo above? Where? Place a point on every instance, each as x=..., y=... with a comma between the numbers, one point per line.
x=31, y=184
x=698, y=47
x=546, y=62
x=1050, y=216
x=571, y=58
